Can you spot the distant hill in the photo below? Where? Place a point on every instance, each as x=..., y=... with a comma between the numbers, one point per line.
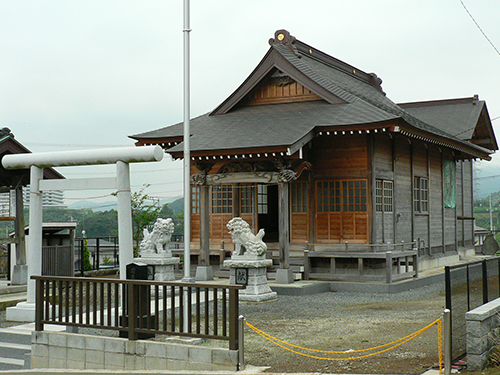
x=486, y=181
x=113, y=205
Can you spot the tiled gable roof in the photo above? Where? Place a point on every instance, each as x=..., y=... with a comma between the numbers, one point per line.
x=350, y=96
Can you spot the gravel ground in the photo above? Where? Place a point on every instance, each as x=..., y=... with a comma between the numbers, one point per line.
x=343, y=321
x=340, y=321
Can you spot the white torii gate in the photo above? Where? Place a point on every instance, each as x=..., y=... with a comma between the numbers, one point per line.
x=25, y=311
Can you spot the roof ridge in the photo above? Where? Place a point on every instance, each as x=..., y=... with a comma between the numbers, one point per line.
x=473, y=100
x=300, y=48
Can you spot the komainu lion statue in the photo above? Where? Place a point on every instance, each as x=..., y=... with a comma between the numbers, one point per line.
x=245, y=242
x=157, y=241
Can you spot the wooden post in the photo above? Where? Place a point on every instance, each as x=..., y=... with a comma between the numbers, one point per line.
x=39, y=305
x=204, y=226
x=233, y=319
x=132, y=312
x=284, y=225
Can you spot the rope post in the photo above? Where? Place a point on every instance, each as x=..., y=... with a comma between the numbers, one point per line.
x=447, y=341
x=241, y=343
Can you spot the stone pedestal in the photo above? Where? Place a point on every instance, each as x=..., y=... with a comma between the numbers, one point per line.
x=204, y=273
x=22, y=312
x=164, y=266
x=20, y=274
x=284, y=276
x=257, y=288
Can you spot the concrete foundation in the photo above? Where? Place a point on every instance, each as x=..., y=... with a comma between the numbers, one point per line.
x=84, y=352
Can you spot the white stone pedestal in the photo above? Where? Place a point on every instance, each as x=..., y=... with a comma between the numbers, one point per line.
x=257, y=288
x=22, y=312
x=164, y=266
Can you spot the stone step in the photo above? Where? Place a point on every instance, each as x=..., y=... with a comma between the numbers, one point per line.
x=11, y=364
x=14, y=351
x=15, y=336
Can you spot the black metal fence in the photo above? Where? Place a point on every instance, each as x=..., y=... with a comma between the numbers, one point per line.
x=102, y=253
x=468, y=286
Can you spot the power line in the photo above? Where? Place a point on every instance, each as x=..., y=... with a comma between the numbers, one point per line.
x=479, y=27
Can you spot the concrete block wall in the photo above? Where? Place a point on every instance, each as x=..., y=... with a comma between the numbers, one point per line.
x=84, y=352
x=482, y=325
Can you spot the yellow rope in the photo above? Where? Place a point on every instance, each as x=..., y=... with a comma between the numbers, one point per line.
x=440, y=345
x=394, y=344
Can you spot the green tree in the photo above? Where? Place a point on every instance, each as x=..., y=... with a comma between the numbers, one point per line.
x=87, y=266
x=143, y=213
x=174, y=211
x=100, y=224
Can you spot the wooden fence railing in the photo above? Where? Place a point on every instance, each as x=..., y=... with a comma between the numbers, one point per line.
x=172, y=308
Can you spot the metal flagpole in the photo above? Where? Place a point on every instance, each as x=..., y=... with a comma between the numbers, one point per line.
x=187, y=154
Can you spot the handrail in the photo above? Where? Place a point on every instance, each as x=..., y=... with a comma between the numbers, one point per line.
x=139, y=308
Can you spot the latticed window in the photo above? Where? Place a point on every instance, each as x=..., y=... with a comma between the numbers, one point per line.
x=342, y=196
x=246, y=199
x=195, y=199
x=329, y=196
x=379, y=195
x=421, y=194
x=222, y=199
x=354, y=196
x=388, y=196
x=262, y=199
x=299, y=196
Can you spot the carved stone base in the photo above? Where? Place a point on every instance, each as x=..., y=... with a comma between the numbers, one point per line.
x=257, y=288
x=164, y=266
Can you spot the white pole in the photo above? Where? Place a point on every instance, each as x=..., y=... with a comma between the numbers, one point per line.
x=34, y=251
x=187, y=153
x=447, y=341
x=126, y=249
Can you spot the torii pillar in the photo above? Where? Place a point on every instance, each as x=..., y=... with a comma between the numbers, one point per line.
x=25, y=311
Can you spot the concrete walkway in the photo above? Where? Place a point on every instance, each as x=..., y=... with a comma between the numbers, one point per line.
x=247, y=371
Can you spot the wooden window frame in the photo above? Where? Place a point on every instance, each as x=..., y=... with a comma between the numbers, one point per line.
x=299, y=197
x=262, y=202
x=221, y=201
x=246, y=199
x=421, y=194
x=342, y=196
x=384, y=196
x=195, y=199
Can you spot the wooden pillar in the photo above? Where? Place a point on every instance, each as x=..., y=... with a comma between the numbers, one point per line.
x=204, y=225
x=19, y=227
x=429, y=227
x=412, y=193
x=372, y=182
x=395, y=192
x=443, y=221
x=284, y=224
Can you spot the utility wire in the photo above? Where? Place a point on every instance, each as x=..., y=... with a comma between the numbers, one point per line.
x=479, y=27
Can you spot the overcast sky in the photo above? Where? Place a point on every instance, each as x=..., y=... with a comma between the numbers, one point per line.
x=87, y=74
